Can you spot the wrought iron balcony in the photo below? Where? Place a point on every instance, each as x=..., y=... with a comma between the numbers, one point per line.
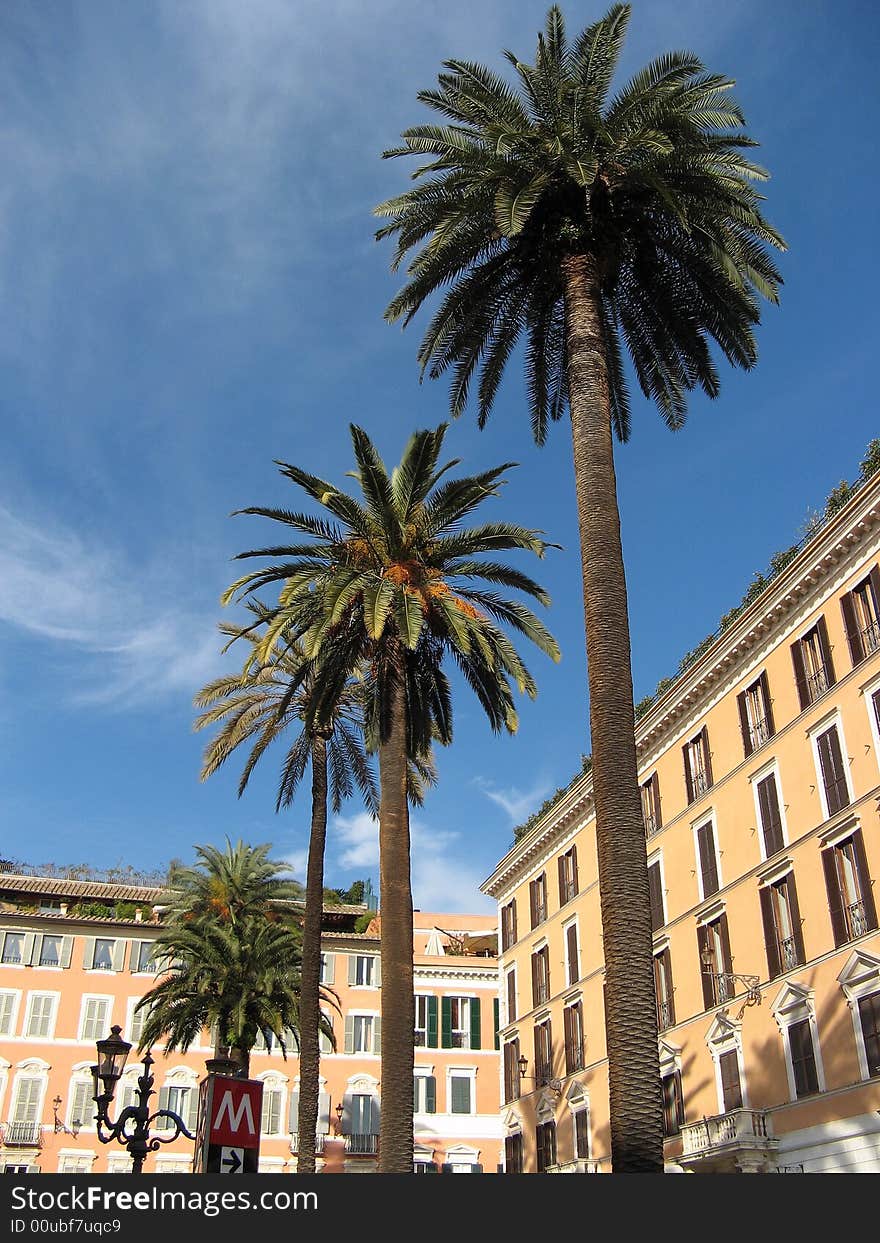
x=788, y=954
x=362, y=1145
x=740, y=1134
x=856, y=919
x=818, y=682
x=664, y=1014
x=294, y=1142
x=759, y=733
x=23, y=1135
x=700, y=782
x=871, y=637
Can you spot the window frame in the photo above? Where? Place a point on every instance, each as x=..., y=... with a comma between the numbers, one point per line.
x=766, y=771
x=538, y=906
x=695, y=789
x=817, y=731
x=572, y=977
x=707, y=820
x=462, y=1074
x=794, y=1004
x=54, y=999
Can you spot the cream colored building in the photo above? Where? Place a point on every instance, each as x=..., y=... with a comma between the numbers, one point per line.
x=760, y=774
x=75, y=958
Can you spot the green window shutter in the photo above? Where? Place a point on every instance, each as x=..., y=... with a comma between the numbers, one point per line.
x=432, y=1023
x=474, y=1009
x=88, y=952
x=377, y=1035
x=323, y=1113
x=496, y=1023
x=349, y=1033
x=461, y=1095
x=352, y=969
x=430, y=1095
x=445, y=1023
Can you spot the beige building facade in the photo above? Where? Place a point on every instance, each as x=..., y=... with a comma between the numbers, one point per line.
x=76, y=957
x=760, y=775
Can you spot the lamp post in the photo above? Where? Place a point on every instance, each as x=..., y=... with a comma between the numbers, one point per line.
x=338, y=1123
x=132, y=1127
x=555, y=1085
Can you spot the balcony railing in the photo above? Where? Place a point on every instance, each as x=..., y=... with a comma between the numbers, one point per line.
x=651, y=824
x=870, y=636
x=579, y=1166
x=788, y=953
x=759, y=733
x=362, y=1145
x=818, y=683
x=568, y=890
x=23, y=1134
x=700, y=782
x=856, y=919
x=294, y=1142
x=741, y=1127
x=664, y=1014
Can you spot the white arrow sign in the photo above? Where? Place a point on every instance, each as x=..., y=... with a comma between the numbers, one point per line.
x=231, y=1160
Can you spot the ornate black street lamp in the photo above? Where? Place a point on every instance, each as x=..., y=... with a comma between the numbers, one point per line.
x=132, y=1127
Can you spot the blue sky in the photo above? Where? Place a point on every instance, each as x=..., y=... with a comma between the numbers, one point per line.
x=192, y=289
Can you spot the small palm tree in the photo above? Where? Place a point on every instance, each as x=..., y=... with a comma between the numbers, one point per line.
x=269, y=703
x=591, y=225
x=390, y=584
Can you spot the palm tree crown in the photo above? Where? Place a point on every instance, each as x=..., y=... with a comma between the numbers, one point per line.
x=651, y=184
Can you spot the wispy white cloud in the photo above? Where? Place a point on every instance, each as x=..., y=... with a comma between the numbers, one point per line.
x=519, y=804
x=443, y=878
x=126, y=641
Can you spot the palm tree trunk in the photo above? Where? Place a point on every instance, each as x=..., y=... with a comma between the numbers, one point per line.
x=398, y=1005
x=630, y=1010
x=310, y=978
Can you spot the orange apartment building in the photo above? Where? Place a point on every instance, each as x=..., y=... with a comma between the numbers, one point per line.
x=760, y=774
x=66, y=976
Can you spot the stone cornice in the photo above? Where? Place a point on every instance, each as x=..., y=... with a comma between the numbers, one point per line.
x=691, y=692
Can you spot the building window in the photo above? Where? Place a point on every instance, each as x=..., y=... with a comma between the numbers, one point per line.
x=143, y=961
x=511, y=1070
x=508, y=925
x=716, y=962
x=545, y=1145
x=328, y=968
x=362, y=971
x=361, y=1033
x=270, y=1119
x=707, y=859
x=782, y=926
x=75, y=1163
x=541, y=976
x=568, y=876
x=768, y=811
x=543, y=1054
x=181, y=1099
x=803, y=1058
x=848, y=882
x=651, y=805
x=95, y=1023
x=573, y=1017
x=697, y=765
x=25, y=1115
x=50, y=950
x=102, y=959
x=424, y=1094
x=8, y=1008
x=426, y=1022
x=13, y=949
x=40, y=1014
x=582, y=1134
x=731, y=1086
x=663, y=989
x=861, y=617
x=655, y=895
x=461, y=1097
x=869, y=1020
x=81, y=1109
x=832, y=771
x=572, y=956
x=461, y=1022
x=538, y=899
x=673, y=1103
x=755, y=715
x=513, y=1154
x=813, y=670
x=511, y=995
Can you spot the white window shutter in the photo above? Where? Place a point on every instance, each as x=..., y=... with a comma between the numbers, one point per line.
x=119, y=954
x=329, y=972
x=31, y=942
x=352, y=968
x=7, y=1005
x=88, y=952
x=377, y=971
x=82, y=1106
x=377, y=1035
x=349, y=1033
x=323, y=1127
x=66, y=950
x=27, y=1098
x=293, y=1112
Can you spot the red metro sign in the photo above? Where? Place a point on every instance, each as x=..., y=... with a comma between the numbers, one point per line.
x=235, y=1112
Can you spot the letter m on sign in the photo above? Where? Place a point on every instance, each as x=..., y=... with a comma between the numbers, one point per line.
x=235, y=1113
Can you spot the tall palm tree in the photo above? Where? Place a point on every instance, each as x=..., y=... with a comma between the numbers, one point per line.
x=227, y=885
x=240, y=979
x=387, y=583
x=268, y=704
x=587, y=224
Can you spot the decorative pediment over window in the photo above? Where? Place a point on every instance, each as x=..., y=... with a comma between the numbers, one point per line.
x=861, y=972
x=545, y=1111
x=795, y=1001
x=365, y=1084
x=35, y=1064
x=512, y=1122
x=723, y=1030
x=670, y=1058
x=577, y=1095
